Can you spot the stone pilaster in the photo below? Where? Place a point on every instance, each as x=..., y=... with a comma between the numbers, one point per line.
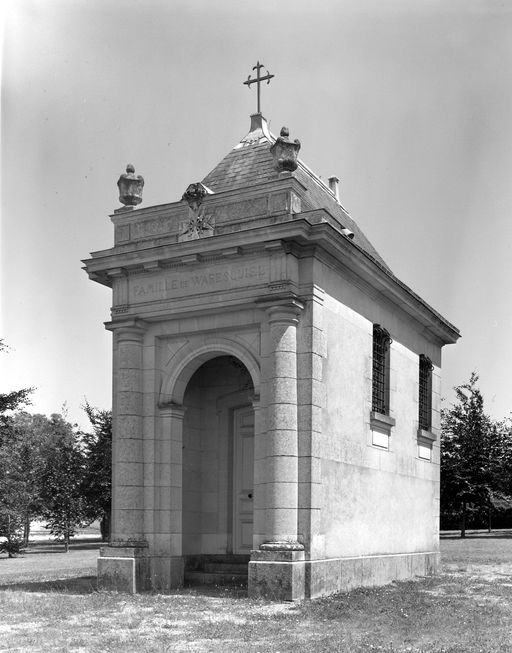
x=167, y=565
x=259, y=480
x=127, y=443
x=282, y=443
x=276, y=570
x=123, y=565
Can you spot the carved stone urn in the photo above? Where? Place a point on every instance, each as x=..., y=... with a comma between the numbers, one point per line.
x=130, y=187
x=285, y=152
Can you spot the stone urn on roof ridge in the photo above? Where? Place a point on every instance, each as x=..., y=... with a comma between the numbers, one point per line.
x=285, y=152
x=130, y=187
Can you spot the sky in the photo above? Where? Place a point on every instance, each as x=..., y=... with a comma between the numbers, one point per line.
x=408, y=102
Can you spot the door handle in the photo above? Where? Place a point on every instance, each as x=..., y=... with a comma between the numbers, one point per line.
x=249, y=495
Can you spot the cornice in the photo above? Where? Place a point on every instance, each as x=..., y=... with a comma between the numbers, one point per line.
x=298, y=236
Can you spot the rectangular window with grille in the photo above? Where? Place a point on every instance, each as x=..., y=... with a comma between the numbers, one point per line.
x=425, y=393
x=380, y=371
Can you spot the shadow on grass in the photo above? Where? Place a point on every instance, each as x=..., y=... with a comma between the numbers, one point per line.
x=88, y=585
x=478, y=536
x=41, y=549
x=80, y=585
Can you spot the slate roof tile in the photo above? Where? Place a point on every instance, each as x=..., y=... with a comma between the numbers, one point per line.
x=251, y=162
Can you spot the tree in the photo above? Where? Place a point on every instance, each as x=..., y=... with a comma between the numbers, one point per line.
x=63, y=504
x=96, y=487
x=12, y=400
x=472, y=448
x=11, y=472
x=11, y=503
x=500, y=464
x=34, y=438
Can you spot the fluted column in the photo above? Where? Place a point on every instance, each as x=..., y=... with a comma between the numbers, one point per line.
x=127, y=440
x=282, y=442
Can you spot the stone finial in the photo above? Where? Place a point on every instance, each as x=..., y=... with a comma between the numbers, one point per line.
x=130, y=187
x=285, y=151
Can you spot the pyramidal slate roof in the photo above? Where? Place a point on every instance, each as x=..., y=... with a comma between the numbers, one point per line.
x=250, y=162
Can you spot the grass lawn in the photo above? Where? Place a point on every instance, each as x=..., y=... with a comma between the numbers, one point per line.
x=468, y=608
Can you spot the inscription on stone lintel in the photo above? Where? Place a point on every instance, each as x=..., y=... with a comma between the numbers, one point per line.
x=166, y=286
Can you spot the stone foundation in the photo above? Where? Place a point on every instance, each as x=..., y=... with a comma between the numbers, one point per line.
x=324, y=577
x=286, y=576
x=131, y=570
x=277, y=575
x=123, y=569
x=167, y=572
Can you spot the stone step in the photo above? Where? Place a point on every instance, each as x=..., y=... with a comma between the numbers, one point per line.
x=195, y=561
x=240, y=569
x=218, y=578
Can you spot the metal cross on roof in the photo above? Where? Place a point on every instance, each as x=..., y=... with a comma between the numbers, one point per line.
x=258, y=80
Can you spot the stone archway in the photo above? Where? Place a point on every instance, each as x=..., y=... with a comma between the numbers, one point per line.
x=208, y=421
x=192, y=355
x=218, y=459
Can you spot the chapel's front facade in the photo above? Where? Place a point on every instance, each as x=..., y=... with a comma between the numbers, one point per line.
x=276, y=389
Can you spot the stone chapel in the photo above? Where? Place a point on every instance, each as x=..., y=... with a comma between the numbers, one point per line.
x=276, y=389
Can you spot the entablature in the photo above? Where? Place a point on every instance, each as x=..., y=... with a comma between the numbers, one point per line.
x=307, y=234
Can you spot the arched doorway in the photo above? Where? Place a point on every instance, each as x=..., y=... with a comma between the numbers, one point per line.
x=218, y=461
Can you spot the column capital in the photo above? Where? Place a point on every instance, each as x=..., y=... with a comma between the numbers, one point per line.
x=129, y=329
x=172, y=410
x=286, y=312
x=284, y=308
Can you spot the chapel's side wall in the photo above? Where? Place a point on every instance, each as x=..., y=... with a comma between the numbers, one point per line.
x=379, y=508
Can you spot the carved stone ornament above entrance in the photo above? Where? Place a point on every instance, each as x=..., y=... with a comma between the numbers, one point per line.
x=198, y=224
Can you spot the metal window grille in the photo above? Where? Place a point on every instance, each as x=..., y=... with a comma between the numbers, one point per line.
x=380, y=376
x=425, y=393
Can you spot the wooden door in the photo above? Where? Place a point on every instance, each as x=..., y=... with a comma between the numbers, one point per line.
x=243, y=478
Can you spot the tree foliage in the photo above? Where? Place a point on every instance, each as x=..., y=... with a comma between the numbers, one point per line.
x=63, y=503
x=475, y=457
x=12, y=482
x=51, y=470
x=11, y=503
x=14, y=400
x=96, y=484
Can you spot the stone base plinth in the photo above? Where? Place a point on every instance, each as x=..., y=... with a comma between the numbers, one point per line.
x=166, y=572
x=277, y=575
x=123, y=569
x=287, y=576
x=324, y=577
